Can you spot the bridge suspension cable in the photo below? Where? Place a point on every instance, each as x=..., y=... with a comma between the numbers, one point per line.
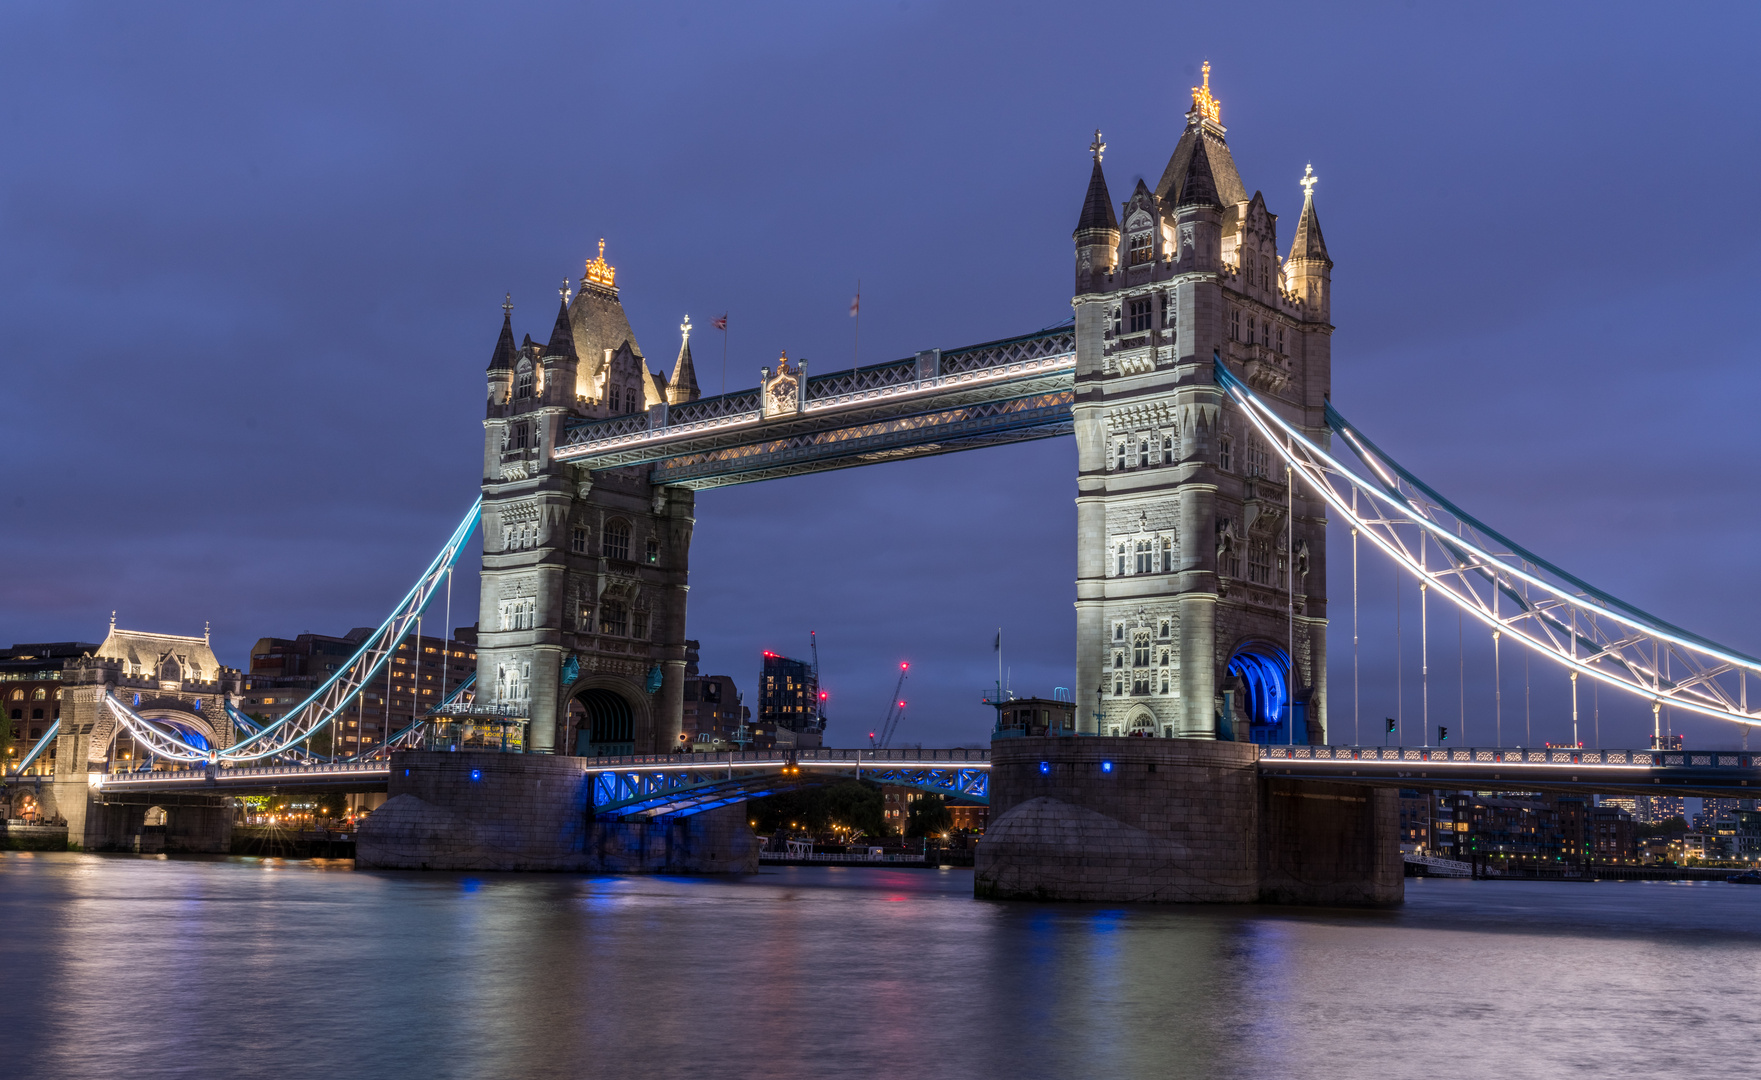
x=325, y=703
x=1508, y=588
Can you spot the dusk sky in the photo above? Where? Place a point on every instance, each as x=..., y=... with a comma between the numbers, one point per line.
x=252, y=260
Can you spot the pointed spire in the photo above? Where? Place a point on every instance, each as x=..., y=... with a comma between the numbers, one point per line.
x=684, y=382
x=503, y=360
x=562, y=336
x=1097, y=206
x=1199, y=187
x=1308, y=243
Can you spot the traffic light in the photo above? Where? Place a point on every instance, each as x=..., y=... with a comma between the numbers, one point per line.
x=1442, y=734
x=1391, y=725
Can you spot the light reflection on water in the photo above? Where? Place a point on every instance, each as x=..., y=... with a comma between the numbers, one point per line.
x=146, y=967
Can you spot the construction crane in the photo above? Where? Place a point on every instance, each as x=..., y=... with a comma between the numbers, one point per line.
x=895, y=709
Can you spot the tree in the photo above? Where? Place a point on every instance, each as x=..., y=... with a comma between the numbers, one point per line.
x=928, y=816
x=854, y=804
x=1674, y=826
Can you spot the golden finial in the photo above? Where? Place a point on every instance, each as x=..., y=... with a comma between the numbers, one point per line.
x=1097, y=148
x=1308, y=182
x=598, y=272
x=1203, y=102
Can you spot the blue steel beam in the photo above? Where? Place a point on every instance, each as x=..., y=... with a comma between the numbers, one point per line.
x=681, y=791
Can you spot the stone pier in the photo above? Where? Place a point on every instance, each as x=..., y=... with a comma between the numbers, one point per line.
x=1179, y=821
x=487, y=811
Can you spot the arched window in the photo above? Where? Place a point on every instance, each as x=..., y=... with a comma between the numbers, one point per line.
x=1123, y=553
x=614, y=543
x=1167, y=556
x=1143, y=453
x=1140, y=649
x=1226, y=454
x=39, y=694
x=1259, y=562
x=1145, y=563
x=1140, y=250
x=1252, y=326
x=523, y=385
x=1120, y=454
x=18, y=695
x=1168, y=449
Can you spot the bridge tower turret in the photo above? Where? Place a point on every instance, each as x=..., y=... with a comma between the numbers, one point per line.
x=1185, y=550
x=582, y=613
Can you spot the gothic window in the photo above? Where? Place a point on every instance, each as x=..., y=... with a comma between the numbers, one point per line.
x=1252, y=325
x=614, y=541
x=1166, y=630
x=1119, y=659
x=578, y=540
x=522, y=436
x=1145, y=558
x=39, y=694
x=1283, y=567
x=1118, y=688
x=1140, y=251
x=652, y=552
x=18, y=695
x=1115, y=322
x=1140, y=682
x=516, y=614
x=1256, y=457
x=614, y=618
x=525, y=383
x=1140, y=650
x=1119, y=631
x=1140, y=315
x=1231, y=560
x=1168, y=449
x=1280, y=340
x=639, y=625
x=1266, y=273
x=1248, y=256
x=1164, y=681
x=1235, y=324
x=1259, y=562
x=1167, y=562
x=1124, y=551
x=1225, y=447
x=1143, y=453
x=1119, y=454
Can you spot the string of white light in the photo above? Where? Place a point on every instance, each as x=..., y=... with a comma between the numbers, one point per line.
x=1557, y=615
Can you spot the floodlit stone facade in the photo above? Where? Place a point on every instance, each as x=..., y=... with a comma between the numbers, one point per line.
x=582, y=610
x=1186, y=537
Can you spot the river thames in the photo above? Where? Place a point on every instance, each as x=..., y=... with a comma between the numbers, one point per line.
x=148, y=967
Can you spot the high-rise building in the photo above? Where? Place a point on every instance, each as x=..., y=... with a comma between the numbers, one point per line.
x=421, y=674
x=790, y=704
x=30, y=694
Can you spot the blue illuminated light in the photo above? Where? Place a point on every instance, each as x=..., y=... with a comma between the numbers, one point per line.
x=1045, y=766
x=476, y=774
x=1106, y=766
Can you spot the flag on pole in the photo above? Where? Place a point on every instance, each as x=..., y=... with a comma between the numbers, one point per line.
x=998, y=645
x=855, y=305
x=720, y=322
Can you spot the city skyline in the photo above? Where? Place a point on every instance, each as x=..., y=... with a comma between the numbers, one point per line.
x=259, y=319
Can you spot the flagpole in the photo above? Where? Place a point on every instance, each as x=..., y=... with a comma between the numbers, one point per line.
x=856, y=345
x=724, y=352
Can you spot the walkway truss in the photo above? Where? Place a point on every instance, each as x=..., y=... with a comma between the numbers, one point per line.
x=663, y=786
x=1514, y=592
x=286, y=737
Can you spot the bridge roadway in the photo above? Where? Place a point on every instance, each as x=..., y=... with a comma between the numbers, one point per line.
x=679, y=784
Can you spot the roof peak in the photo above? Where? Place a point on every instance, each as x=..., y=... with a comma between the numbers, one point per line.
x=1097, y=205
x=503, y=357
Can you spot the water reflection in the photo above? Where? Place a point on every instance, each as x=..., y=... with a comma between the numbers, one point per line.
x=114, y=965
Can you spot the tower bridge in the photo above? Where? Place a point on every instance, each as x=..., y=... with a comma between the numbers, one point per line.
x=1194, y=377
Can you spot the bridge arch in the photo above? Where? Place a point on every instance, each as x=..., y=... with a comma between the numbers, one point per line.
x=606, y=715
x=1265, y=701
x=195, y=730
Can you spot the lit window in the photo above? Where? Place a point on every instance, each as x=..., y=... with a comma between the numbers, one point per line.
x=1141, y=250
x=652, y=551
x=613, y=618
x=614, y=542
x=525, y=383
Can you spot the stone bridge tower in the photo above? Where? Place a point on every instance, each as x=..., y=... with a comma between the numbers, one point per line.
x=1195, y=581
x=582, y=612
